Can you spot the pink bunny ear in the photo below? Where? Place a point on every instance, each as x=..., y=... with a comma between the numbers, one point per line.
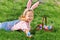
x=35, y=5
x=29, y=4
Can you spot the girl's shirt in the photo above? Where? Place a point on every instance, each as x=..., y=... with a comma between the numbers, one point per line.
x=23, y=25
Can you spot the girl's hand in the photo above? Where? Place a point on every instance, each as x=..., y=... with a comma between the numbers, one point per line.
x=28, y=34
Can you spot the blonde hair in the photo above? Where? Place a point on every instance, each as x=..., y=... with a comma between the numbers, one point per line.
x=22, y=17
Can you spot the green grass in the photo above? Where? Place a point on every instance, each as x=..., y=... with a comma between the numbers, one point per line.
x=11, y=10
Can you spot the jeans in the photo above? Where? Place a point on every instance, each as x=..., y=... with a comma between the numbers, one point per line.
x=8, y=25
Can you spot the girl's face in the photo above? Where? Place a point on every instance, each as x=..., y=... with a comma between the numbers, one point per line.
x=29, y=16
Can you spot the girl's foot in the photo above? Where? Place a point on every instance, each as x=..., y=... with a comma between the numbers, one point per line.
x=0, y=25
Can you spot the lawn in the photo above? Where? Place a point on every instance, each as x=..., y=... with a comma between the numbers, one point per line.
x=12, y=9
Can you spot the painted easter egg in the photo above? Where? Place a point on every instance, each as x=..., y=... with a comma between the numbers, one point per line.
x=40, y=26
x=46, y=28
x=49, y=27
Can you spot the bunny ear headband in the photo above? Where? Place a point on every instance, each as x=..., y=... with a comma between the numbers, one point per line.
x=32, y=7
x=24, y=13
x=29, y=4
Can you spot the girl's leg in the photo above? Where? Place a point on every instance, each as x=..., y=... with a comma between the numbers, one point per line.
x=8, y=25
x=29, y=4
x=4, y=25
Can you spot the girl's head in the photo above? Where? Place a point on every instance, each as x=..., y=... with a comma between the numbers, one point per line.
x=28, y=15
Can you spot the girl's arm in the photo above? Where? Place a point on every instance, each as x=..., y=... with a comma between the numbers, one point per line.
x=28, y=34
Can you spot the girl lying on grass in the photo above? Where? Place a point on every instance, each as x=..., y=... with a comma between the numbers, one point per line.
x=24, y=20
x=22, y=24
